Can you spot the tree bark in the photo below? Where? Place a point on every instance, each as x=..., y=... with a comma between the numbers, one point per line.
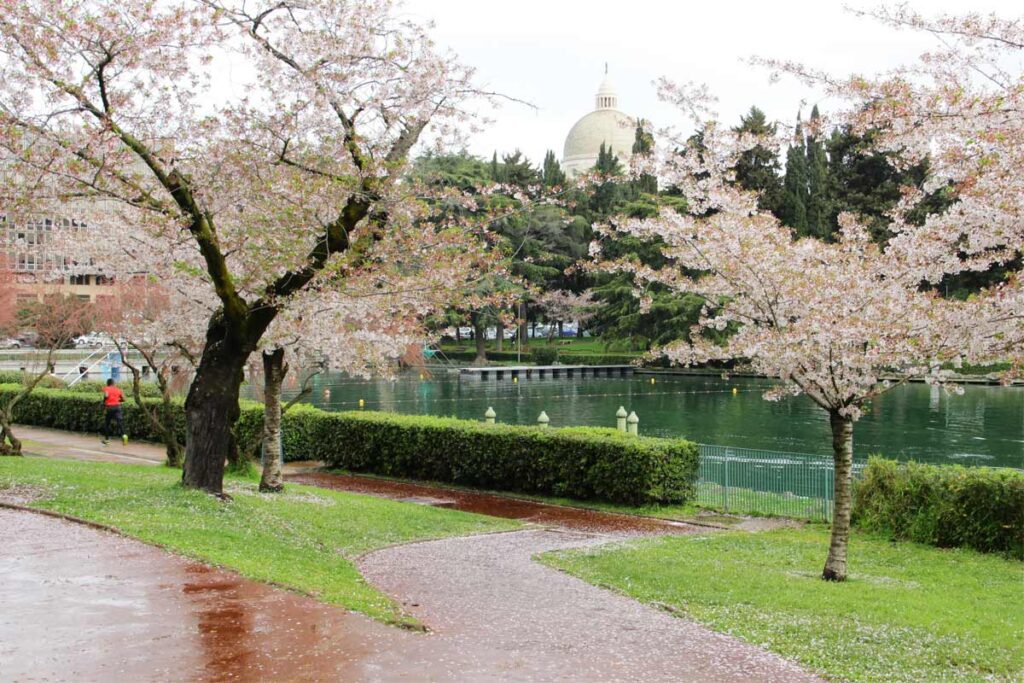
x=274, y=370
x=9, y=444
x=479, y=334
x=524, y=341
x=211, y=408
x=499, y=336
x=842, y=455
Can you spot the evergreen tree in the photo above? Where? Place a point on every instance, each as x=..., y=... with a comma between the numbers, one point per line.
x=517, y=170
x=496, y=175
x=819, y=187
x=551, y=172
x=606, y=195
x=643, y=145
x=758, y=168
x=794, y=185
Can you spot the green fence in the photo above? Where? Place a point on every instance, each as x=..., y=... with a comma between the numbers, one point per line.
x=744, y=480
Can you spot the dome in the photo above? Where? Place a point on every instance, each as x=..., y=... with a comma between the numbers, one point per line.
x=606, y=124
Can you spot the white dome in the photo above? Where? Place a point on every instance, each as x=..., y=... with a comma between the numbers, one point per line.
x=606, y=124
x=609, y=126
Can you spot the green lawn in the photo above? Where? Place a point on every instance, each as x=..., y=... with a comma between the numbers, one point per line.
x=907, y=613
x=305, y=539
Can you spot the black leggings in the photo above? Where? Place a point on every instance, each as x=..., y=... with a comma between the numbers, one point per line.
x=113, y=413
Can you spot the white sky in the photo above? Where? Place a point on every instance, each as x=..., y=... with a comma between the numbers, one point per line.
x=552, y=53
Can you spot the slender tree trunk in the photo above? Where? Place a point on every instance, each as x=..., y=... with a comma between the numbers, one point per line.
x=561, y=329
x=499, y=336
x=458, y=334
x=211, y=409
x=524, y=341
x=479, y=334
x=842, y=454
x=274, y=370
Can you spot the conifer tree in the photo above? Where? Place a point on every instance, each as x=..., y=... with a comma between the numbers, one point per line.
x=551, y=172
x=643, y=145
x=757, y=169
x=819, y=189
x=794, y=185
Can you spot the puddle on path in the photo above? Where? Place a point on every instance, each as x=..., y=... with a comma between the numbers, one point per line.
x=82, y=604
x=577, y=519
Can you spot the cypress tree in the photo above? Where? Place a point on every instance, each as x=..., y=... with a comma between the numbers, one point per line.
x=794, y=185
x=643, y=145
x=819, y=190
x=551, y=172
x=496, y=174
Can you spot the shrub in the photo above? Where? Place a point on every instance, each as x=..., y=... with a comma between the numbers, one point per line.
x=82, y=412
x=943, y=505
x=582, y=463
x=545, y=355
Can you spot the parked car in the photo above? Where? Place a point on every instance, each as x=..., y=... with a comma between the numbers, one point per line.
x=9, y=343
x=93, y=341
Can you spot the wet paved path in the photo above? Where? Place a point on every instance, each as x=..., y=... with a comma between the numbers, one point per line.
x=80, y=604
x=503, y=616
x=83, y=604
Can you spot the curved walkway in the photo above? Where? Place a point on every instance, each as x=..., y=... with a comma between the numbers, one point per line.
x=498, y=615
x=84, y=604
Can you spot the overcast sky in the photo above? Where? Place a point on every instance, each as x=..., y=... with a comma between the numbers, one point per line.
x=552, y=53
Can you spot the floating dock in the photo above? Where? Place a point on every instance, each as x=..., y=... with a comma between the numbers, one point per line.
x=502, y=372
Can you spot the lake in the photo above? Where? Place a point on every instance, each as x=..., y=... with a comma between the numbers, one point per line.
x=984, y=426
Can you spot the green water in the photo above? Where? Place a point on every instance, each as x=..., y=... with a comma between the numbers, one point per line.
x=985, y=426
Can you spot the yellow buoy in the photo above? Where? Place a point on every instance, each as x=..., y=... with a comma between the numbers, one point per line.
x=421, y=376
x=515, y=380
x=734, y=391
x=362, y=403
x=652, y=380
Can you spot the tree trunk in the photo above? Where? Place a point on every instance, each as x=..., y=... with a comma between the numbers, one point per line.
x=499, y=336
x=842, y=455
x=274, y=370
x=479, y=334
x=9, y=444
x=561, y=329
x=524, y=341
x=211, y=409
x=458, y=334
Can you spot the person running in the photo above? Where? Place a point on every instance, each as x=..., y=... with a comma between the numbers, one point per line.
x=112, y=400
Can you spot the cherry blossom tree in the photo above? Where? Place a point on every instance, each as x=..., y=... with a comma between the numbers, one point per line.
x=55, y=321
x=256, y=190
x=960, y=107
x=560, y=305
x=838, y=322
x=159, y=333
x=366, y=326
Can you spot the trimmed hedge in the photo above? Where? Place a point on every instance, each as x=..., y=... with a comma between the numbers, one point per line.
x=582, y=463
x=943, y=505
x=78, y=411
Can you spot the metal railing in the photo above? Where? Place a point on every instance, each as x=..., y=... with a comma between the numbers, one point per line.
x=745, y=480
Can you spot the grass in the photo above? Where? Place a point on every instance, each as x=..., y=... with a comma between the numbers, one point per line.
x=305, y=539
x=907, y=613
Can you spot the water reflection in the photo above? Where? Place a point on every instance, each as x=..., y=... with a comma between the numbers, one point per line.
x=916, y=421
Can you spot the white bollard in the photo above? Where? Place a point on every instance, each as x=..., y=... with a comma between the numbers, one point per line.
x=620, y=419
x=490, y=415
x=543, y=419
x=633, y=424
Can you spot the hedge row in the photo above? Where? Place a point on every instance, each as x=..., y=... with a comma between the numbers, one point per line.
x=582, y=463
x=943, y=505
